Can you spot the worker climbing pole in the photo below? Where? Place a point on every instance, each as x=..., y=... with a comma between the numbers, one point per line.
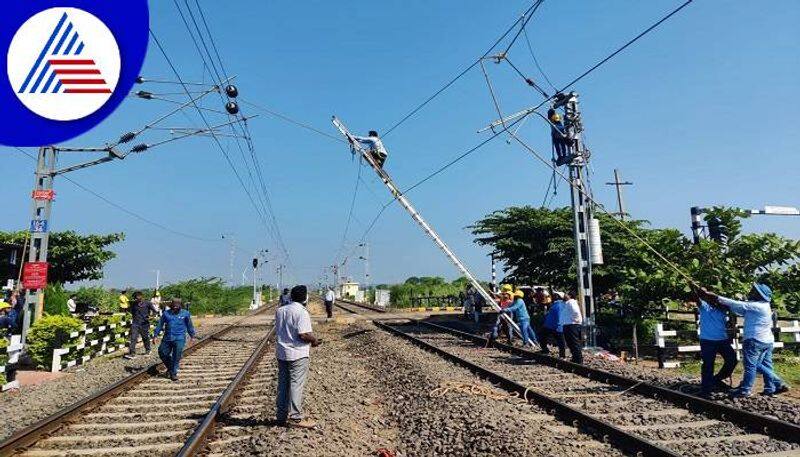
x=372, y=159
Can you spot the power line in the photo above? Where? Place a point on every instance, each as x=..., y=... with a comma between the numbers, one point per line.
x=463, y=72
x=536, y=61
x=124, y=209
x=292, y=121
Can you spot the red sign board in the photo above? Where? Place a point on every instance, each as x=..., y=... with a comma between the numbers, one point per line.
x=34, y=275
x=44, y=194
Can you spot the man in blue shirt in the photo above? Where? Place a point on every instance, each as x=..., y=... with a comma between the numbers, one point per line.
x=8, y=317
x=758, y=339
x=520, y=313
x=551, y=330
x=176, y=323
x=714, y=340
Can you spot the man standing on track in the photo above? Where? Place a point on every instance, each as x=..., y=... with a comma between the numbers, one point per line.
x=140, y=324
x=285, y=300
x=570, y=320
x=330, y=299
x=714, y=339
x=520, y=313
x=176, y=323
x=551, y=329
x=294, y=338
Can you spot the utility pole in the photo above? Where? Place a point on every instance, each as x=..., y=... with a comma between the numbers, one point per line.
x=158, y=279
x=494, y=272
x=618, y=183
x=365, y=258
x=256, y=294
x=36, y=269
x=232, y=254
x=279, y=270
x=581, y=209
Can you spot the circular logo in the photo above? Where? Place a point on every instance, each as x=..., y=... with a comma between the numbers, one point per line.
x=69, y=65
x=63, y=64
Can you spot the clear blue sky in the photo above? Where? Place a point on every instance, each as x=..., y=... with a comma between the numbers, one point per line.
x=702, y=111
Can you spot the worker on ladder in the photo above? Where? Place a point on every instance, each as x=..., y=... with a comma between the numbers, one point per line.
x=373, y=144
x=561, y=141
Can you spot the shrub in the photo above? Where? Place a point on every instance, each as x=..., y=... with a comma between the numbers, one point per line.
x=48, y=333
x=55, y=300
x=101, y=298
x=209, y=295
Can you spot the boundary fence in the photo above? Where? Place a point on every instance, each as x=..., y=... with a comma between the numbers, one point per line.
x=9, y=369
x=89, y=343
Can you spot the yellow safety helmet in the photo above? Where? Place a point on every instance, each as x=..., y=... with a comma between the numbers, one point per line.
x=506, y=288
x=4, y=305
x=555, y=117
x=519, y=294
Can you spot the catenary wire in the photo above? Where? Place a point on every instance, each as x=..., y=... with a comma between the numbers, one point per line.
x=124, y=209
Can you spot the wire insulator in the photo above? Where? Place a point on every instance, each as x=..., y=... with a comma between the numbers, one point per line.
x=145, y=95
x=232, y=108
x=140, y=80
x=140, y=148
x=127, y=137
x=232, y=91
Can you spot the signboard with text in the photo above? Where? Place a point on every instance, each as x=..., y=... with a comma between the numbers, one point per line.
x=44, y=195
x=39, y=226
x=34, y=275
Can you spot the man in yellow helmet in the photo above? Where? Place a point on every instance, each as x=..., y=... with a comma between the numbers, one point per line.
x=558, y=133
x=8, y=317
x=124, y=300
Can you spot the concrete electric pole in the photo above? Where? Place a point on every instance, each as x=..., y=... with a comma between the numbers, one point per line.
x=618, y=183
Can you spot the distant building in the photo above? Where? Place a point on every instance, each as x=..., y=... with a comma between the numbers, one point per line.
x=10, y=262
x=348, y=289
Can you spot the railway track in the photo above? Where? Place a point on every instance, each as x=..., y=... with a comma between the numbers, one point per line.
x=632, y=415
x=146, y=413
x=357, y=308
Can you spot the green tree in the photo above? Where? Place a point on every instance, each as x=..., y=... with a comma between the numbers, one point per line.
x=537, y=248
x=73, y=257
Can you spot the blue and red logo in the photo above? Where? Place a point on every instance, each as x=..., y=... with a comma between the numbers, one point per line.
x=67, y=67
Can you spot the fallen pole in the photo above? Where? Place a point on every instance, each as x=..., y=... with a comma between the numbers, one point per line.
x=387, y=180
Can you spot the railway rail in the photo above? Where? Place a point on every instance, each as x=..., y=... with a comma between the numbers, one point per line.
x=147, y=414
x=357, y=308
x=635, y=416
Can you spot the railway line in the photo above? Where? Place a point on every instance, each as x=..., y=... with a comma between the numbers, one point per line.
x=146, y=413
x=632, y=415
x=357, y=308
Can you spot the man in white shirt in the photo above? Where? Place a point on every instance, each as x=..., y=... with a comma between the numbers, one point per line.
x=330, y=299
x=374, y=146
x=570, y=319
x=758, y=339
x=294, y=338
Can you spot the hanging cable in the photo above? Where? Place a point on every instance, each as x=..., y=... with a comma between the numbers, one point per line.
x=536, y=61
x=463, y=72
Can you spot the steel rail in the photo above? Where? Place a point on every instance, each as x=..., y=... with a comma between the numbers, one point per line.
x=602, y=430
x=197, y=440
x=32, y=433
x=760, y=423
x=362, y=305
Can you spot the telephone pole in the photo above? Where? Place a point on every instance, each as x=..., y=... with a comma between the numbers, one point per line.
x=618, y=183
x=232, y=254
x=365, y=258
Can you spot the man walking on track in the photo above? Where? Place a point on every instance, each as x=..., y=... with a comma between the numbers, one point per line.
x=176, y=323
x=330, y=299
x=140, y=324
x=294, y=338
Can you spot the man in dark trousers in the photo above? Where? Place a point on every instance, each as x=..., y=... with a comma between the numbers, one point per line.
x=140, y=324
x=330, y=299
x=571, y=320
x=176, y=323
x=293, y=339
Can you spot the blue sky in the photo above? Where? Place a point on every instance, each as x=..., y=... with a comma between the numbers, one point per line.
x=700, y=112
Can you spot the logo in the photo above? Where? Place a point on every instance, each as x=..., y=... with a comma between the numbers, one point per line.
x=74, y=69
x=69, y=65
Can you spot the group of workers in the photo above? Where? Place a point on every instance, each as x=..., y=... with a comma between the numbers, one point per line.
x=175, y=322
x=757, y=344
x=562, y=321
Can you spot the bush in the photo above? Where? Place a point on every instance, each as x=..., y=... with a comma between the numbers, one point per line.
x=48, y=333
x=210, y=296
x=55, y=300
x=103, y=299
x=98, y=321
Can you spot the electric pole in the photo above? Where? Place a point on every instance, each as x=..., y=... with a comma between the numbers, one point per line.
x=365, y=258
x=494, y=272
x=618, y=183
x=581, y=208
x=231, y=255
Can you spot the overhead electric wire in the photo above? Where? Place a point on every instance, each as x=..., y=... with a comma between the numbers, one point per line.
x=536, y=61
x=124, y=209
x=292, y=121
x=464, y=71
x=350, y=212
x=216, y=139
